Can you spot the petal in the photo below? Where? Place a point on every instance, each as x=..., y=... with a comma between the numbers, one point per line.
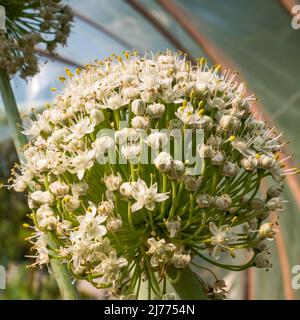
x=150, y=206
x=216, y=252
x=213, y=228
x=80, y=174
x=160, y=197
x=136, y=206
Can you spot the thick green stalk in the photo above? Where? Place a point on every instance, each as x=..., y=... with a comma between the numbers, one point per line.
x=188, y=287
x=12, y=113
x=63, y=279
x=60, y=271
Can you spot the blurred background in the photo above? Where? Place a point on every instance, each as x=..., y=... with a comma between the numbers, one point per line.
x=254, y=37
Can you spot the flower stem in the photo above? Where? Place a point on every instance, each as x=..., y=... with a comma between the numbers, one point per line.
x=13, y=116
x=188, y=286
x=63, y=279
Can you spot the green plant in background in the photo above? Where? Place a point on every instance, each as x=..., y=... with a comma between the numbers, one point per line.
x=119, y=222
x=29, y=24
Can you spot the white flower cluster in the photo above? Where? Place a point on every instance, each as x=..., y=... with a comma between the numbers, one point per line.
x=118, y=224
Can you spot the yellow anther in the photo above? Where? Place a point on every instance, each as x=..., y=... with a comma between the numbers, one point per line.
x=231, y=138
x=78, y=71
x=234, y=219
x=62, y=79
x=202, y=61
x=53, y=89
x=26, y=225
x=201, y=104
x=218, y=67
x=184, y=103
x=126, y=55
x=201, y=111
x=192, y=94
x=68, y=72
x=257, y=156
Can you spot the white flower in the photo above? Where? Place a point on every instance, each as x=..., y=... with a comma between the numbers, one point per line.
x=79, y=189
x=81, y=128
x=220, y=238
x=102, y=144
x=266, y=231
x=42, y=197
x=157, y=140
x=155, y=110
x=131, y=151
x=163, y=162
x=262, y=260
x=229, y=123
x=110, y=267
x=113, y=182
x=138, y=107
x=223, y=202
x=91, y=224
x=59, y=188
x=71, y=203
x=139, y=122
x=160, y=251
x=114, y=101
x=146, y=197
x=81, y=162
x=126, y=189
x=187, y=116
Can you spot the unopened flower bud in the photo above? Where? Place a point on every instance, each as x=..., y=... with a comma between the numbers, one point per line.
x=80, y=189
x=230, y=169
x=262, y=260
x=217, y=159
x=192, y=183
x=106, y=208
x=229, y=123
x=163, y=162
x=113, y=182
x=173, y=226
x=180, y=260
x=59, y=188
x=266, y=231
x=114, y=224
x=177, y=169
x=204, y=200
x=71, y=203
x=97, y=116
x=42, y=197
x=257, y=204
x=139, y=122
x=250, y=163
x=276, y=204
x=155, y=110
x=205, y=151
x=138, y=107
x=266, y=162
x=148, y=96
x=157, y=140
x=126, y=189
x=275, y=191
x=223, y=202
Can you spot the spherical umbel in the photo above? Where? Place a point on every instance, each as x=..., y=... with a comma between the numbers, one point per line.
x=109, y=177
